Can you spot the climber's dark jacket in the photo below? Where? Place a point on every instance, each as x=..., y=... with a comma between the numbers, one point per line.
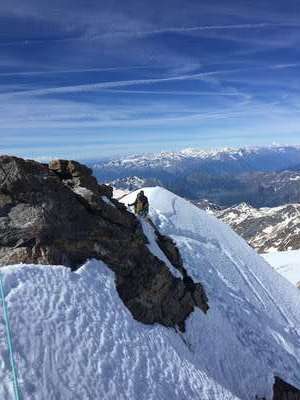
x=141, y=205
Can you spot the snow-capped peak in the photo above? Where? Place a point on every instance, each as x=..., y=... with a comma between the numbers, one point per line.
x=167, y=158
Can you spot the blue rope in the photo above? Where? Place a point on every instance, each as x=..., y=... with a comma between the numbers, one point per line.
x=9, y=343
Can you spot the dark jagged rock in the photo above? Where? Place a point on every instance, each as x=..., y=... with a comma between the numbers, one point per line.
x=80, y=179
x=284, y=391
x=196, y=290
x=167, y=245
x=58, y=214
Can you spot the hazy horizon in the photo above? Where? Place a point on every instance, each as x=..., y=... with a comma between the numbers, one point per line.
x=117, y=156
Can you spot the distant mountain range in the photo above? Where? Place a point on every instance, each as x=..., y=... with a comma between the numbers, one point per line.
x=260, y=176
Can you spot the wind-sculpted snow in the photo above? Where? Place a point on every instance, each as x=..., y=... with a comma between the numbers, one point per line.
x=75, y=339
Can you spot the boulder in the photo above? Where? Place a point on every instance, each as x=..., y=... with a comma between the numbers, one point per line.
x=59, y=214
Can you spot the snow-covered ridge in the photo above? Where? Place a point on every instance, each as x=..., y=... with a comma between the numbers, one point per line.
x=75, y=339
x=244, y=294
x=167, y=159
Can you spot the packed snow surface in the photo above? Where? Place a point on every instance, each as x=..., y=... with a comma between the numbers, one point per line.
x=287, y=263
x=74, y=338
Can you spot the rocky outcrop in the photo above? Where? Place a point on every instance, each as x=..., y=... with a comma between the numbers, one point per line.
x=80, y=179
x=284, y=391
x=59, y=214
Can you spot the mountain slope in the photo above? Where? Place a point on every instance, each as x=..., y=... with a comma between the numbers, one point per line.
x=75, y=339
x=265, y=229
x=249, y=302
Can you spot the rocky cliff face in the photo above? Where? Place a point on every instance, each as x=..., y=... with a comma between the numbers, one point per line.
x=58, y=214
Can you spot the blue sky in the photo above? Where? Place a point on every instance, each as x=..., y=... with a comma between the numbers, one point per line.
x=90, y=79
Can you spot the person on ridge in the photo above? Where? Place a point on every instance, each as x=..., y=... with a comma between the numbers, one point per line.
x=141, y=205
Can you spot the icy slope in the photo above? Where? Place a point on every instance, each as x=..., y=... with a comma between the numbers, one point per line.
x=252, y=330
x=287, y=263
x=74, y=338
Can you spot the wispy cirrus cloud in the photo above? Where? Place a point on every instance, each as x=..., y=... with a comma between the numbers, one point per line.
x=116, y=84
x=88, y=36
x=187, y=29
x=70, y=71
x=96, y=86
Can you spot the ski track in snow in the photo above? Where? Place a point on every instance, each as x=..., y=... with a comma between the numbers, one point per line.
x=74, y=338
